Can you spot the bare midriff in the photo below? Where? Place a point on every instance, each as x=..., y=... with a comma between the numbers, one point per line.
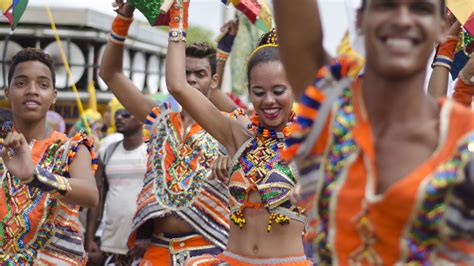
x=253, y=240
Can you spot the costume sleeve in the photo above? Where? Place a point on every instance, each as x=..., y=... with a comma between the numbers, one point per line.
x=310, y=133
x=52, y=173
x=463, y=93
x=457, y=227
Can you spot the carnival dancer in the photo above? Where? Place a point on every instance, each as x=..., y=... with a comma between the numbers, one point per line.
x=386, y=171
x=45, y=175
x=442, y=63
x=182, y=212
x=266, y=228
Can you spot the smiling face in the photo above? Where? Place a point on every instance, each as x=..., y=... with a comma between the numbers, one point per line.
x=31, y=91
x=270, y=94
x=400, y=35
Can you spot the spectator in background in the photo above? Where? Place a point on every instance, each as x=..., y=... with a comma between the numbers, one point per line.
x=55, y=121
x=122, y=167
x=5, y=115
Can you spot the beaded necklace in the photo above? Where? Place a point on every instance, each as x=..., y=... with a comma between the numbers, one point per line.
x=261, y=157
x=260, y=130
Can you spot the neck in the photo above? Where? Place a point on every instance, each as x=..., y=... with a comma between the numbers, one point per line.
x=31, y=130
x=187, y=119
x=391, y=101
x=133, y=140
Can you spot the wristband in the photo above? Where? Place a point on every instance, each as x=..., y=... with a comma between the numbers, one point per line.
x=226, y=43
x=120, y=27
x=49, y=182
x=178, y=24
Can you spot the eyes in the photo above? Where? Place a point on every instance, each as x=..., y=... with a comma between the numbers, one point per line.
x=418, y=7
x=277, y=91
x=23, y=82
x=200, y=74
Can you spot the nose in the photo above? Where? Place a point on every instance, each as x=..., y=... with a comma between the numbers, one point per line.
x=268, y=99
x=191, y=78
x=403, y=18
x=32, y=88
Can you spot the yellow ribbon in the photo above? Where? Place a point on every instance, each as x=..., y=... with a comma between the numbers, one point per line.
x=68, y=70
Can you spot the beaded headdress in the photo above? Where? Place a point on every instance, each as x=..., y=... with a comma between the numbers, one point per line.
x=269, y=39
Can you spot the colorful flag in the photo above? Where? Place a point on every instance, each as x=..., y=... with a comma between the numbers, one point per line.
x=463, y=10
x=13, y=10
x=151, y=9
x=257, y=11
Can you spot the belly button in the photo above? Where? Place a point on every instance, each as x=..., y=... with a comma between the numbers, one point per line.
x=255, y=249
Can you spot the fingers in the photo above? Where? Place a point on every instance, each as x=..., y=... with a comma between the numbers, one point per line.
x=222, y=170
x=14, y=140
x=295, y=194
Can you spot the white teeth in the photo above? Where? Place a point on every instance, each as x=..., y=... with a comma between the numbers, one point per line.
x=399, y=42
x=271, y=111
x=31, y=103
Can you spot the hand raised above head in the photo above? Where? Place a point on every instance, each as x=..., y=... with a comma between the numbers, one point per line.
x=123, y=8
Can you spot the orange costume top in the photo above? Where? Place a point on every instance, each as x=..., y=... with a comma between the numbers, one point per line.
x=424, y=217
x=176, y=182
x=37, y=227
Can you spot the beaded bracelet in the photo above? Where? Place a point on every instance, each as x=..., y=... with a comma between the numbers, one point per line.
x=49, y=182
x=120, y=27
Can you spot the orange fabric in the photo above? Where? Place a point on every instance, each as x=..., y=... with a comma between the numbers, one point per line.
x=447, y=49
x=158, y=255
x=121, y=24
x=351, y=196
x=37, y=213
x=463, y=93
x=41, y=145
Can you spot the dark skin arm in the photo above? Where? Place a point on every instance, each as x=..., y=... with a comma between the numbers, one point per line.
x=438, y=84
x=220, y=99
x=111, y=71
x=301, y=41
x=93, y=214
x=83, y=189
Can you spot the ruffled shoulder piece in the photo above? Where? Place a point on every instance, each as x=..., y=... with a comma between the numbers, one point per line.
x=71, y=147
x=150, y=120
x=316, y=104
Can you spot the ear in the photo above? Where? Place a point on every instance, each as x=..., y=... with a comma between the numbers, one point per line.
x=6, y=92
x=215, y=81
x=55, y=96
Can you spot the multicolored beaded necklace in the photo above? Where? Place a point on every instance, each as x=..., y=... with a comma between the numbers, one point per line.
x=270, y=139
x=271, y=133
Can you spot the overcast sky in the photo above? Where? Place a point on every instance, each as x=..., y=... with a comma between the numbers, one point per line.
x=210, y=14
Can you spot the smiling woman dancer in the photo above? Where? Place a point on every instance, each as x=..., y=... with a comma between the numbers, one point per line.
x=266, y=228
x=45, y=175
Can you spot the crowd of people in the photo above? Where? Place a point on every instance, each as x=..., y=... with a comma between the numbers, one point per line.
x=334, y=165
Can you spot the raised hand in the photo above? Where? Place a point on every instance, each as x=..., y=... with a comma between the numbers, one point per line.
x=16, y=155
x=123, y=8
